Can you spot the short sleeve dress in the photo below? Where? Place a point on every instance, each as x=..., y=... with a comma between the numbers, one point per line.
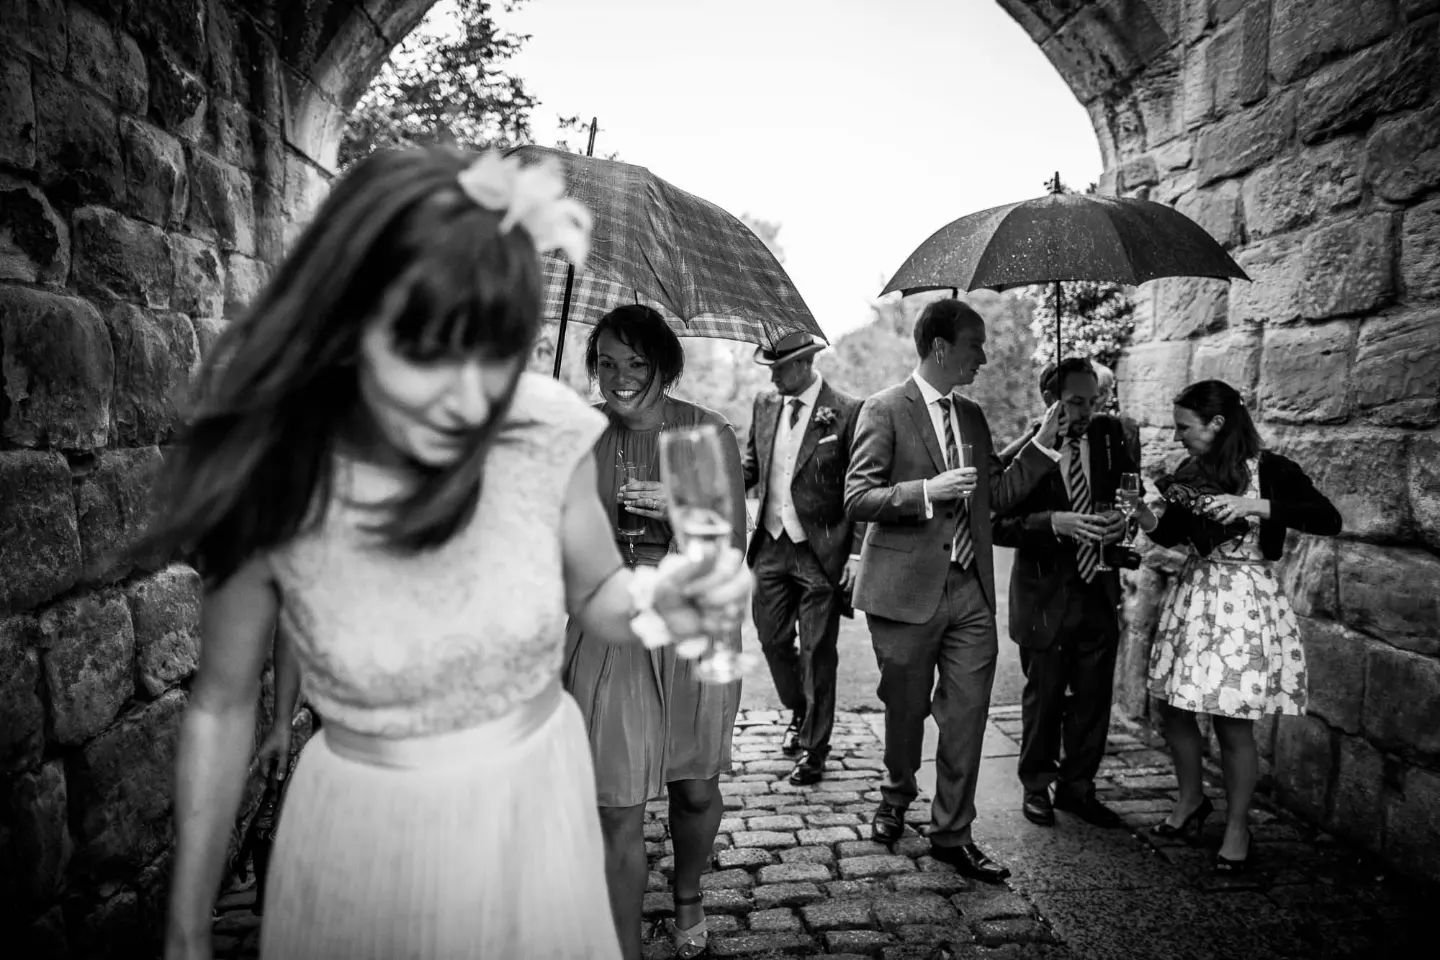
x=411, y=827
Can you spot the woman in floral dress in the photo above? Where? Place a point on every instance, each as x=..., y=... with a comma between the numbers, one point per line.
x=1228, y=643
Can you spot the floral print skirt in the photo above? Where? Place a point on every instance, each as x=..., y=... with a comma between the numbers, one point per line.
x=1228, y=643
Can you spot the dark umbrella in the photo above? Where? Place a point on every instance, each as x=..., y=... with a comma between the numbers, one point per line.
x=706, y=272
x=1063, y=236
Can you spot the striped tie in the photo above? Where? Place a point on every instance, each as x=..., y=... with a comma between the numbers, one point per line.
x=963, y=552
x=1086, y=554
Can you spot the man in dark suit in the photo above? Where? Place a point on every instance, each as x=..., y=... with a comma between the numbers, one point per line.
x=1063, y=610
x=804, y=551
x=926, y=580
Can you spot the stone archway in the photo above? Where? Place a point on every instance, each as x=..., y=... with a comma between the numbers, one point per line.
x=155, y=156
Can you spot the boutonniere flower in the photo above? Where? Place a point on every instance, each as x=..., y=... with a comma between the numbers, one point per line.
x=824, y=416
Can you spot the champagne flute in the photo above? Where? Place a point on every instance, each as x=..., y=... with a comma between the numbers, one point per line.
x=699, y=500
x=1128, y=496
x=1102, y=509
x=966, y=453
x=629, y=525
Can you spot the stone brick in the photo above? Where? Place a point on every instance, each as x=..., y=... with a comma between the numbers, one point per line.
x=1357, y=811
x=1402, y=156
x=744, y=857
x=1304, y=34
x=22, y=714
x=1309, y=575
x=1424, y=487
x=58, y=366
x=1368, y=489
x=1273, y=295
x=838, y=915
x=771, y=895
x=1335, y=661
x=769, y=839
x=913, y=907
x=1396, y=377
x=177, y=25
x=120, y=789
x=207, y=332
x=1245, y=140
x=794, y=873
x=1295, y=190
x=1348, y=266
x=17, y=115
x=862, y=848
x=1390, y=593
x=112, y=504
x=177, y=98
x=77, y=143
x=228, y=134
x=1412, y=823
x=199, y=277
x=157, y=183
x=1303, y=372
x=727, y=880
x=728, y=902
x=222, y=203
x=1186, y=306
x=1197, y=84
x=165, y=610
x=117, y=258
x=773, y=822
x=1304, y=765
x=856, y=942
x=878, y=865
x=807, y=855
x=1420, y=250
x=1149, y=376
x=1217, y=209
x=245, y=277
x=942, y=883
x=992, y=903
x=778, y=920
x=1238, y=59
x=1232, y=356
x=39, y=543
x=1385, y=78
x=98, y=58
x=155, y=357
x=997, y=933
x=34, y=239
x=825, y=835
x=1402, y=701
x=89, y=656
x=766, y=944
x=43, y=838
x=827, y=819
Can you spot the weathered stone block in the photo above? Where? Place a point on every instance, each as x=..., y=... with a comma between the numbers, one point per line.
x=1412, y=823
x=1303, y=372
x=772, y=895
x=77, y=142
x=43, y=837
x=1149, y=375
x=1245, y=140
x=58, y=367
x=1197, y=84
x=120, y=786
x=39, y=544
x=1239, y=59
x=177, y=98
x=1335, y=660
x=155, y=356
x=1217, y=209
x=34, y=240
x=1402, y=702
x=1309, y=573
x=17, y=115
x=1420, y=250
x=1295, y=190
x=89, y=659
x=176, y=24
x=913, y=907
x=113, y=508
x=1186, y=306
x=157, y=182
x=1402, y=157
x=875, y=865
x=245, y=277
x=1391, y=593
x=1387, y=77
x=1232, y=356
x=1304, y=34
x=1362, y=471
x=1357, y=811
x=1137, y=172
x=1273, y=293
x=207, y=331
x=777, y=920
x=116, y=258
x=1304, y=765
x=837, y=915
x=98, y=59
x=221, y=203
x=22, y=714
x=1348, y=266
x=165, y=610
x=199, y=277
x=305, y=187
x=228, y=135
x=1424, y=486
x=1396, y=376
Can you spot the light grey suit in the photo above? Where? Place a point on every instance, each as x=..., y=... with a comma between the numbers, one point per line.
x=926, y=614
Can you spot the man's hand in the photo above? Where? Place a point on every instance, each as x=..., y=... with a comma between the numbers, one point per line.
x=1085, y=527
x=1114, y=526
x=1050, y=427
x=953, y=484
x=847, y=575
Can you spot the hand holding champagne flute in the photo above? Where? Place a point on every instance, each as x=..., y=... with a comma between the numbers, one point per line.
x=1128, y=499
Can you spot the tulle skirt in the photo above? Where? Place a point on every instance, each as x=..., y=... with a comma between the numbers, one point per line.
x=483, y=843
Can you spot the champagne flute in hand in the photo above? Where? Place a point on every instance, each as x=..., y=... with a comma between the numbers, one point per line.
x=699, y=499
x=1128, y=500
x=966, y=453
x=629, y=525
x=1102, y=509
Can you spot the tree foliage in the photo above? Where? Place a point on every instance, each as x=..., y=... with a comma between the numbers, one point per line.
x=1096, y=320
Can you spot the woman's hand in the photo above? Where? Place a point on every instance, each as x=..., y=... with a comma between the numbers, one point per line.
x=699, y=597
x=644, y=498
x=273, y=757
x=1228, y=508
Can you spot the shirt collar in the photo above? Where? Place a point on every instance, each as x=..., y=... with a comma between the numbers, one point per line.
x=927, y=392
x=811, y=393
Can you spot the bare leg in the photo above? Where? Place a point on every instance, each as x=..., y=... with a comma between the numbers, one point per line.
x=695, y=811
x=1186, y=749
x=1239, y=760
x=623, y=829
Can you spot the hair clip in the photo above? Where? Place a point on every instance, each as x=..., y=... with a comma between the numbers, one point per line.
x=533, y=196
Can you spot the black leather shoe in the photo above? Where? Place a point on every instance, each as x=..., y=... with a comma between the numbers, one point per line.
x=1087, y=808
x=1038, y=809
x=790, y=743
x=810, y=769
x=888, y=823
x=971, y=861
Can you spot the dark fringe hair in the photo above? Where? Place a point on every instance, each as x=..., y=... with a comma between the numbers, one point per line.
x=943, y=319
x=1236, y=442
x=645, y=331
x=395, y=242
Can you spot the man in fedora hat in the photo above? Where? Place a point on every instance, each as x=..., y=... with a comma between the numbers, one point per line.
x=804, y=551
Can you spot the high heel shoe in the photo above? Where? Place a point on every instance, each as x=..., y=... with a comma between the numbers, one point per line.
x=1226, y=865
x=1191, y=827
x=689, y=942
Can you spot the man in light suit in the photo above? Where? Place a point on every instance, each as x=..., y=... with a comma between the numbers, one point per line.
x=804, y=551
x=926, y=580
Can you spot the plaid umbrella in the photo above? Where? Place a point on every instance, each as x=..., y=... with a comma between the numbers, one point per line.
x=705, y=271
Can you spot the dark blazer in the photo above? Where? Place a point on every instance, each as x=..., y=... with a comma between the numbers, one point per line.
x=817, y=488
x=1295, y=504
x=1045, y=565
x=905, y=559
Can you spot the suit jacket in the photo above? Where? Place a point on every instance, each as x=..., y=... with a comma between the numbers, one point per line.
x=817, y=487
x=906, y=556
x=1045, y=565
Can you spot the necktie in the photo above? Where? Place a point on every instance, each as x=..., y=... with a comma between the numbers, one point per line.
x=963, y=552
x=1086, y=554
x=796, y=405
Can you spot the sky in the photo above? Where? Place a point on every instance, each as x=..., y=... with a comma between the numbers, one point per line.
x=861, y=126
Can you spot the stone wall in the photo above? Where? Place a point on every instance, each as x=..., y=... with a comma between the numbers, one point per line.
x=1306, y=137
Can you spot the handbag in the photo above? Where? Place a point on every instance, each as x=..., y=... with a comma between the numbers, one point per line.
x=1193, y=491
x=259, y=838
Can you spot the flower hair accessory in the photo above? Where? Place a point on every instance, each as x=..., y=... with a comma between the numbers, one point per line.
x=533, y=196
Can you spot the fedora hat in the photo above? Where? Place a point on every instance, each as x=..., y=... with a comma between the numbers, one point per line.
x=792, y=346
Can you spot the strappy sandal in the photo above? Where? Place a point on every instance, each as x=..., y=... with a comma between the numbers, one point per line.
x=689, y=942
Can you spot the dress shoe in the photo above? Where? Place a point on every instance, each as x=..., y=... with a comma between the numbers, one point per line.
x=971, y=861
x=888, y=824
x=1038, y=809
x=1087, y=808
x=1242, y=865
x=810, y=769
x=1191, y=827
x=790, y=743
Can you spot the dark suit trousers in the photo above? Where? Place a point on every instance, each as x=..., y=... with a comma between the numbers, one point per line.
x=792, y=591
x=957, y=642
x=1068, y=685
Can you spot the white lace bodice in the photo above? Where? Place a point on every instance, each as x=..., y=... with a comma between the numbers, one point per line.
x=400, y=646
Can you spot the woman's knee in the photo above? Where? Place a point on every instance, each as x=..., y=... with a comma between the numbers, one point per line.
x=694, y=796
x=1234, y=733
x=623, y=827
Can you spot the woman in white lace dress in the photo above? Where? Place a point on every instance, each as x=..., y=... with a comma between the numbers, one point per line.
x=370, y=466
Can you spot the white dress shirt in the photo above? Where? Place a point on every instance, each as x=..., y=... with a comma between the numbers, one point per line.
x=779, y=511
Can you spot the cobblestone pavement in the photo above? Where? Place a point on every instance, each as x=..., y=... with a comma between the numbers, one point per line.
x=795, y=875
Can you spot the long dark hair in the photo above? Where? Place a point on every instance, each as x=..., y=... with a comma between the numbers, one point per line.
x=645, y=331
x=397, y=242
x=1236, y=442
